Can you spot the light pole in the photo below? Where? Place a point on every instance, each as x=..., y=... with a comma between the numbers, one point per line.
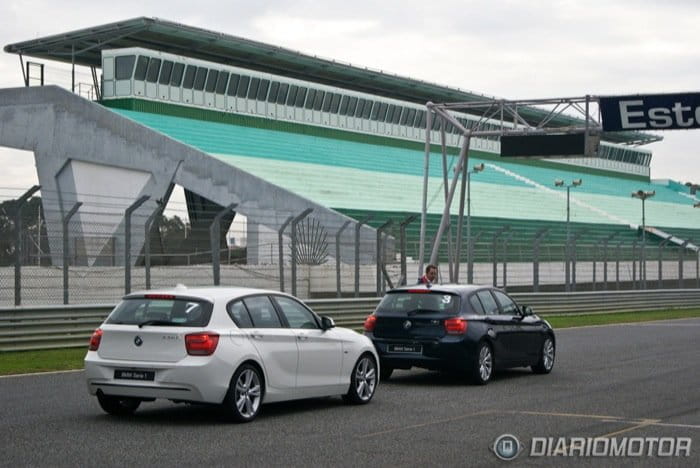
x=642, y=195
x=567, y=251
x=470, y=272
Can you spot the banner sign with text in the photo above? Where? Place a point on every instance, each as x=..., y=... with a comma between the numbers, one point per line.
x=650, y=112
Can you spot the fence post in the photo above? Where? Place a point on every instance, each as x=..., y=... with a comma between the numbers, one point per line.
x=358, y=225
x=147, y=241
x=337, y=257
x=295, y=222
x=66, y=220
x=505, y=259
x=494, y=245
x=280, y=243
x=617, y=265
x=18, y=240
x=605, y=258
x=379, y=252
x=634, y=264
x=697, y=264
x=697, y=269
x=215, y=240
x=402, y=228
x=470, y=252
x=572, y=257
x=127, y=240
x=662, y=244
x=539, y=236
x=681, y=252
x=594, y=254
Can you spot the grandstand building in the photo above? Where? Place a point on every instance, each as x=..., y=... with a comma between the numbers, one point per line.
x=276, y=132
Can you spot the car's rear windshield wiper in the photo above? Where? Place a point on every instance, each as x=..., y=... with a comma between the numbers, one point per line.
x=156, y=322
x=421, y=311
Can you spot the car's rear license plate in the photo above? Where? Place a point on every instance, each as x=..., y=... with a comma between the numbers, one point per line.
x=405, y=348
x=134, y=374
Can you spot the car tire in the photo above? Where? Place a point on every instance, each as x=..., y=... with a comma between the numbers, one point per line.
x=483, y=368
x=385, y=372
x=117, y=406
x=548, y=353
x=244, y=397
x=363, y=381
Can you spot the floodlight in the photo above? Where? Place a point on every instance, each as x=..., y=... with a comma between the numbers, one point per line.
x=559, y=183
x=642, y=195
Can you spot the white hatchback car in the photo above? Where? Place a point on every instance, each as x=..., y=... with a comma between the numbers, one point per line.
x=236, y=347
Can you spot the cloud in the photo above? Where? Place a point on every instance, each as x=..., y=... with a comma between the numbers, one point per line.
x=504, y=48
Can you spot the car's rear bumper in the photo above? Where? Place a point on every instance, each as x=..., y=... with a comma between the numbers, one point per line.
x=448, y=353
x=196, y=379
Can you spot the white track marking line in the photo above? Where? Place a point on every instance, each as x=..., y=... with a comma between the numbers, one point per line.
x=41, y=373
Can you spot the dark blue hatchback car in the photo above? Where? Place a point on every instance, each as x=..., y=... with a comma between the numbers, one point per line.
x=468, y=329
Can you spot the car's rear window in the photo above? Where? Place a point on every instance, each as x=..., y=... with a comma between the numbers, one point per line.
x=166, y=312
x=409, y=303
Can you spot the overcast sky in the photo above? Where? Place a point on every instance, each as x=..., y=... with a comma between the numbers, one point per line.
x=513, y=49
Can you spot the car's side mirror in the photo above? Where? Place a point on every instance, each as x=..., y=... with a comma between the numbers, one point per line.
x=327, y=323
x=526, y=310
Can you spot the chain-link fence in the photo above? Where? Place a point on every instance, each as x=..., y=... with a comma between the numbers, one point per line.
x=60, y=250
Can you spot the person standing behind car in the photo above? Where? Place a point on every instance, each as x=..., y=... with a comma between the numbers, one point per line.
x=431, y=273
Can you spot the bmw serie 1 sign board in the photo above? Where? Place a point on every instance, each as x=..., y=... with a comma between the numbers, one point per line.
x=650, y=112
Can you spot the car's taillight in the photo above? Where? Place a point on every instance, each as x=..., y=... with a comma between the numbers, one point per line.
x=370, y=322
x=455, y=326
x=95, y=340
x=201, y=344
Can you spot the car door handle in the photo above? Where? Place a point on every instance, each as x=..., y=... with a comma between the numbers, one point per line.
x=256, y=336
x=302, y=337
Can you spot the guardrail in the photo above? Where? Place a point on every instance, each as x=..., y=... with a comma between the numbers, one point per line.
x=50, y=327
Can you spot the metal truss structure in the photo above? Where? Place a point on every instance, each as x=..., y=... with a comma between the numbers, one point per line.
x=497, y=119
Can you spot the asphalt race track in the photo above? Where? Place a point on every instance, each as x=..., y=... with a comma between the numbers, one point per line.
x=640, y=381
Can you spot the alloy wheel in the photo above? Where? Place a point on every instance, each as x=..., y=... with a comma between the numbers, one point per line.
x=247, y=393
x=548, y=354
x=485, y=363
x=365, y=378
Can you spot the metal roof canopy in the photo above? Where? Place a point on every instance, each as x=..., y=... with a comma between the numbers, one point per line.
x=84, y=46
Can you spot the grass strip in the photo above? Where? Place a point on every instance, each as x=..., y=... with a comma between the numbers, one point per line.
x=568, y=321
x=25, y=362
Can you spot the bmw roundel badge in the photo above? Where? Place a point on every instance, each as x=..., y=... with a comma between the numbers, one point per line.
x=407, y=324
x=138, y=341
